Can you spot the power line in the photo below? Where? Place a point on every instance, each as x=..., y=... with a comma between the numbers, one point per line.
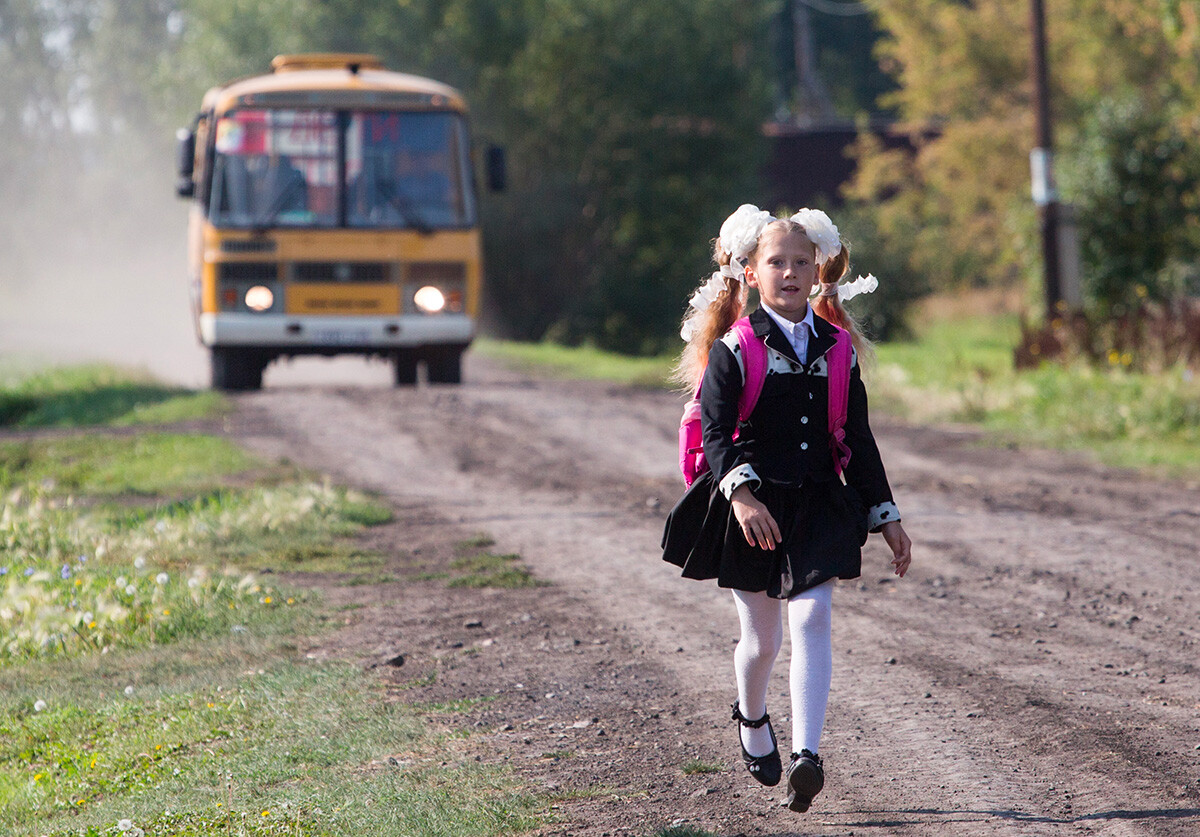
x=831, y=7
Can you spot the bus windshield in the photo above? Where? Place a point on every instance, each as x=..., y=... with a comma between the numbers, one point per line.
x=280, y=168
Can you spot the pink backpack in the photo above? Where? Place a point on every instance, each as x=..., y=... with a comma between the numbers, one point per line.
x=754, y=357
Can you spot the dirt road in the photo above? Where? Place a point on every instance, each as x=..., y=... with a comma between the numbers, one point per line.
x=1036, y=672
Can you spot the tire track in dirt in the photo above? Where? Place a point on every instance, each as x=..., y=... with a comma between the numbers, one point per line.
x=1033, y=573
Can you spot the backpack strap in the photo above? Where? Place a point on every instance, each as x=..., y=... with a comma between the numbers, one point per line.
x=838, y=360
x=754, y=359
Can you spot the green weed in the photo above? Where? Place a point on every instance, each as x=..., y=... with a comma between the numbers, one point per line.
x=692, y=767
x=485, y=569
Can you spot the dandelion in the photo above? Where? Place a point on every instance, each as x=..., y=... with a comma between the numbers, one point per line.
x=291, y=600
x=267, y=600
x=266, y=813
x=79, y=582
x=39, y=705
x=128, y=691
x=166, y=611
x=92, y=625
x=139, y=562
x=130, y=590
x=121, y=581
x=193, y=583
x=124, y=825
x=162, y=578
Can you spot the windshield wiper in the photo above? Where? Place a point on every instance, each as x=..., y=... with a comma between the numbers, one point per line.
x=267, y=220
x=403, y=204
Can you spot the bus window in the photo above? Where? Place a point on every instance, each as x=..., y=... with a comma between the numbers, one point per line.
x=408, y=170
x=275, y=168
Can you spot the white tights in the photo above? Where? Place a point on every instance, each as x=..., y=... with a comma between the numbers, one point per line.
x=810, y=621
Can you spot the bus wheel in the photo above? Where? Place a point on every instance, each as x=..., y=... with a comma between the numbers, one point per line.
x=444, y=366
x=237, y=369
x=404, y=368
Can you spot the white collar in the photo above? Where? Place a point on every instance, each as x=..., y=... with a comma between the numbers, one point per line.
x=790, y=328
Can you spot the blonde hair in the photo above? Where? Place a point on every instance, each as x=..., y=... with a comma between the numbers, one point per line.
x=709, y=325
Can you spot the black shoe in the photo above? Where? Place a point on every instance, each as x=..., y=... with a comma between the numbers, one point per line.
x=806, y=777
x=766, y=769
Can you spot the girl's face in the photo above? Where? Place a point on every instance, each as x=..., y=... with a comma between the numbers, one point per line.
x=784, y=271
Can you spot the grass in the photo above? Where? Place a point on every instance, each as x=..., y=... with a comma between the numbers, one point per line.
x=248, y=744
x=961, y=371
x=474, y=566
x=582, y=362
x=151, y=681
x=149, y=463
x=692, y=767
x=98, y=395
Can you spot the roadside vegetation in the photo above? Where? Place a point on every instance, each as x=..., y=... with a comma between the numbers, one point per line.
x=958, y=368
x=152, y=674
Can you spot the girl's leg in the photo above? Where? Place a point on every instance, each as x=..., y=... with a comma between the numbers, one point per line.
x=810, y=622
x=762, y=634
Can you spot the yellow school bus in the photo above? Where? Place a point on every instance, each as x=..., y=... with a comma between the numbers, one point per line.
x=333, y=212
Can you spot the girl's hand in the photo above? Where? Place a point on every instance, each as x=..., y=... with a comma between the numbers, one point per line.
x=758, y=527
x=901, y=546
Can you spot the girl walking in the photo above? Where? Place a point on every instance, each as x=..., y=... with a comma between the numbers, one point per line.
x=771, y=520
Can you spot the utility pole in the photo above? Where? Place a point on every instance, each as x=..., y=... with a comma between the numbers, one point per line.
x=815, y=105
x=1041, y=163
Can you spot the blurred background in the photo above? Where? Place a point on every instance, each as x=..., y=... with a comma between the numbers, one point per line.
x=632, y=129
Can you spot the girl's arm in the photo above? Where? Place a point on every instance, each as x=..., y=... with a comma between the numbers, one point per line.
x=901, y=546
x=865, y=471
x=719, y=394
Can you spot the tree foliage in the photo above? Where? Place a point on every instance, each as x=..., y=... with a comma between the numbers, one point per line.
x=960, y=205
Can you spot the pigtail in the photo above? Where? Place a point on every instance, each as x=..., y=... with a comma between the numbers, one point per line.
x=706, y=326
x=828, y=305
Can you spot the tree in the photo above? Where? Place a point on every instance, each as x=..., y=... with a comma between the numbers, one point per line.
x=962, y=208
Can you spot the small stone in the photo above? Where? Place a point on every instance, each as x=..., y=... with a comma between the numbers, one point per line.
x=473, y=623
x=396, y=661
x=891, y=661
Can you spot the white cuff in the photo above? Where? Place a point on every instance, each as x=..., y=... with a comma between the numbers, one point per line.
x=881, y=514
x=740, y=474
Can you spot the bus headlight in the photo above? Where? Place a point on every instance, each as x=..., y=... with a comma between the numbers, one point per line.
x=429, y=300
x=259, y=298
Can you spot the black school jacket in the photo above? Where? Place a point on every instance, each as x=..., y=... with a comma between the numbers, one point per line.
x=786, y=437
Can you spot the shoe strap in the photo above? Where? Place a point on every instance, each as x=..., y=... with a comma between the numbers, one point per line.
x=746, y=722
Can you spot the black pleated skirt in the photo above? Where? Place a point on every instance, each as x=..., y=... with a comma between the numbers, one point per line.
x=823, y=525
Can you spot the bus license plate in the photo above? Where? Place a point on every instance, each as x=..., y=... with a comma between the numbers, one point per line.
x=341, y=336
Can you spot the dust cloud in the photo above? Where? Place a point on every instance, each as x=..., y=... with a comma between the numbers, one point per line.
x=87, y=279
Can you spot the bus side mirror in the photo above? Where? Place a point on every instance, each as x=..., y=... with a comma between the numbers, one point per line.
x=497, y=168
x=185, y=155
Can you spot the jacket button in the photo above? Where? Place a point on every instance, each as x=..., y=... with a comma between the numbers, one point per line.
x=804, y=419
x=804, y=446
